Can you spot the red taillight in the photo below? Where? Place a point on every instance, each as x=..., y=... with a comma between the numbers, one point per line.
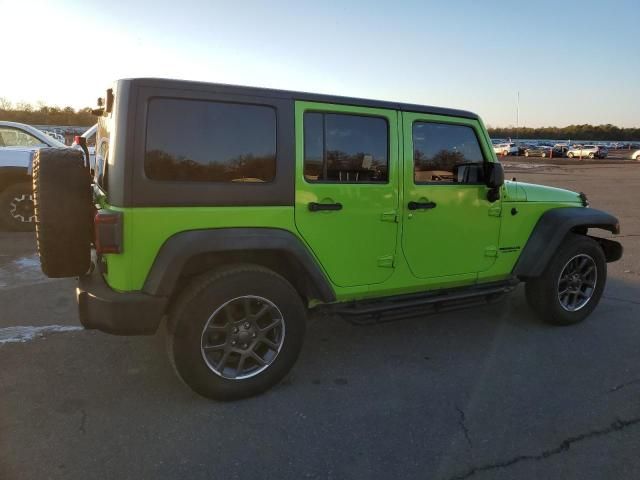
x=76, y=139
x=108, y=231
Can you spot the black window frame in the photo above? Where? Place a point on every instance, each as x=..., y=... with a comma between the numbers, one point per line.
x=216, y=182
x=458, y=124
x=353, y=114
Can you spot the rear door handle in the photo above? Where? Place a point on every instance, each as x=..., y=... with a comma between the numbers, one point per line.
x=316, y=207
x=421, y=205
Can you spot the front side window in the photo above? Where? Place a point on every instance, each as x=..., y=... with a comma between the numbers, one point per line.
x=11, y=137
x=345, y=148
x=446, y=153
x=204, y=141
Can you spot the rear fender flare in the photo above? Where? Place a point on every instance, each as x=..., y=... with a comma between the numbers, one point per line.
x=302, y=269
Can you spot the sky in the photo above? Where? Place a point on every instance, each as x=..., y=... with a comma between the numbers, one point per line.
x=571, y=61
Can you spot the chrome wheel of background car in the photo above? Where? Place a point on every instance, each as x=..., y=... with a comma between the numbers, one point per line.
x=21, y=208
x=243, y=337
x=577, y=282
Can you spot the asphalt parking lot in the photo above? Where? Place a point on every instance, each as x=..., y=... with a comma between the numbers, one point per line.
x=484, y=393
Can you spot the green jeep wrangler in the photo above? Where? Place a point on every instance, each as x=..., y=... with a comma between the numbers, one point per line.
x=232, y=212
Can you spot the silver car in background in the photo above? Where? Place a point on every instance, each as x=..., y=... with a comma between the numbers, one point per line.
x=18, y=142
x=587, y=151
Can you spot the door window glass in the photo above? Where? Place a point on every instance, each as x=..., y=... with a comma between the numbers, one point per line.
x=446, y=153
x=345, y=148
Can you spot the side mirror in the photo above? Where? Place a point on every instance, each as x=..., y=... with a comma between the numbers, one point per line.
x=495, y=179
x=494, y=175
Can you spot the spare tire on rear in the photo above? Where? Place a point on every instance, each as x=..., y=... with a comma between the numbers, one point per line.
x=64, y=211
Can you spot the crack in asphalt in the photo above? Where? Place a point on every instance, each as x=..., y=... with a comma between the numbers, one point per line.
x=463, y=425
x=635, y=302
x=83, y=421
x=563, y=447
x=623, y=385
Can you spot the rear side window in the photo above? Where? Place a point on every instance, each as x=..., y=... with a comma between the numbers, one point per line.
x=204, y=141
x=345, y=148
x=441, y=149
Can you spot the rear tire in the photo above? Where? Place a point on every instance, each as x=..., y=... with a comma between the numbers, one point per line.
x=569, y=155
x=547, y=295
x=222, y=318
x=64, y=210
x=16, y=208
x=592, y=156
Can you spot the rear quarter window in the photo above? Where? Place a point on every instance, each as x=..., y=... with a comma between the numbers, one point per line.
x=209, y=141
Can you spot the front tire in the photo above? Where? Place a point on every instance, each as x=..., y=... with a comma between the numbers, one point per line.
x=569, y=155
x=571, y=286
x=236, y=332
x=16, y=208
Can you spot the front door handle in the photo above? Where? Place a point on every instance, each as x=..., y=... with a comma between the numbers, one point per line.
x=316, y=207
x=421, y=205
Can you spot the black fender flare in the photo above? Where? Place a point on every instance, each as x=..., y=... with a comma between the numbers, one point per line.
x=551, y=229
x=181, y=247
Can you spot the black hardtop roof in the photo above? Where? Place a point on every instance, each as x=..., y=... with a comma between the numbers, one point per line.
x=293, y=95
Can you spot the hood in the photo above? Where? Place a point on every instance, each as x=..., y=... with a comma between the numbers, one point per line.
x=530, y=192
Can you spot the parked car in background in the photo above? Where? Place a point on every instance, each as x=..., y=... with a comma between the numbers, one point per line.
x=603, y=151
x=505, y=149
x=560, y=151
x=90, y=136
x=635, y=155
x=522, y=147
x=587, y=151
x=541, y=151
x=18, y=142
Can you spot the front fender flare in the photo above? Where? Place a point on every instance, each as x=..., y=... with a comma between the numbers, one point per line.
x=551, y=229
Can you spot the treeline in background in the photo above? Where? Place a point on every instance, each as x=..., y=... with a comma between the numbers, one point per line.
x=571, y=132
x=42, y=114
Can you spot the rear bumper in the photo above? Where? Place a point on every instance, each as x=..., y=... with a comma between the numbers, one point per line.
x=118, y=313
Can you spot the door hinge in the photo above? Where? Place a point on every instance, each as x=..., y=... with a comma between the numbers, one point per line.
x=491, y=252
x=495, y=210
x=390, y=216
x=386, y=261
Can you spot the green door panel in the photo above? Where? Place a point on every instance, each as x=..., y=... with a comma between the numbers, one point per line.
x=357, y=244
x=460, y=235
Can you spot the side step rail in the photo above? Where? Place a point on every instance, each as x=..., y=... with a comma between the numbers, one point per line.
x=367, y=312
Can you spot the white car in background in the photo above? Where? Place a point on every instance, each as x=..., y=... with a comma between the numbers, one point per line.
x=587, y=151
x=505, y=149
x=18, y=142
x=635, y=155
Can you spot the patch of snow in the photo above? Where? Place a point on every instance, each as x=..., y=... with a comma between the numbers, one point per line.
x=22, y=271
x=26, y=334
x=525, y=165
